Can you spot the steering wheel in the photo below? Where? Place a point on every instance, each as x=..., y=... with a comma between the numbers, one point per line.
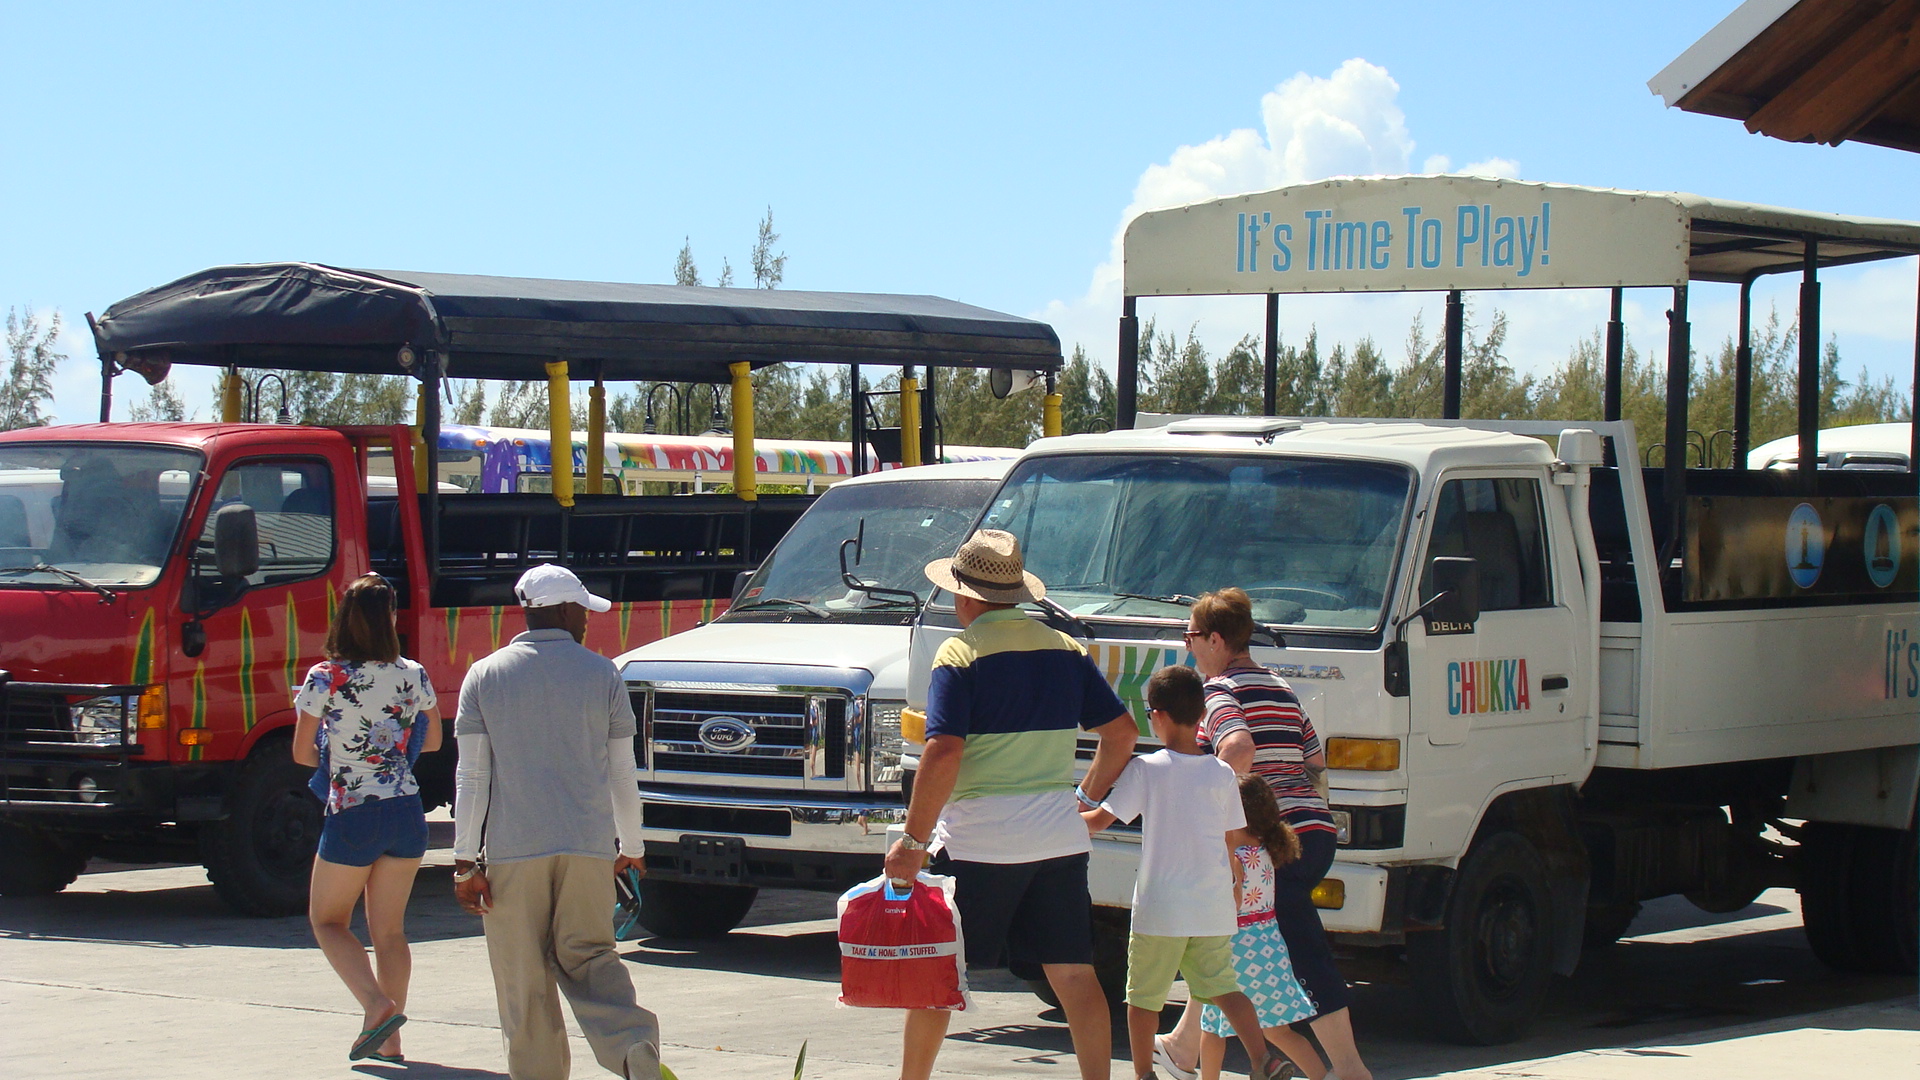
x=1296, y=593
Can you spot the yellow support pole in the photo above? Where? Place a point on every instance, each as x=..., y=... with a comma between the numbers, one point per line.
x=745, y=476
x=230, y=397
x=1050, y=416
x=909, y=421
x=560, y=431
x=419, y=437
x=596, y=437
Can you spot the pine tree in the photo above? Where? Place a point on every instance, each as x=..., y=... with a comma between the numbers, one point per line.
x=163, y=403
x=684, y=270
x=31, y=360
x=769, y=269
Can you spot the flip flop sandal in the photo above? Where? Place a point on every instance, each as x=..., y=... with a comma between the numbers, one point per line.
x=388, y=1059
x=370, y=1039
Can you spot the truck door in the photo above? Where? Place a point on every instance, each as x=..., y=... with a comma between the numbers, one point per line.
x=1499, y=700
x=260, y=639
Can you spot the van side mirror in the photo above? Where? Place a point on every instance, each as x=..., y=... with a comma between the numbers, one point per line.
x=739, y=585
x=236, y=541
x=1456, y=603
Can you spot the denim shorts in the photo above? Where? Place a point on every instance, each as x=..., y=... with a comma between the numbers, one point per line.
x=360, y=834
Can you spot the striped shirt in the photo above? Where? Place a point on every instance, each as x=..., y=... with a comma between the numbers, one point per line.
x=1259, y=702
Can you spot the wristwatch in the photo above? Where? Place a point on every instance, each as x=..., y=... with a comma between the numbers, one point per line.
x=908, y=842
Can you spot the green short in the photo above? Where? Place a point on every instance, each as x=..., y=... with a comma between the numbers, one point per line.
x=1153, y=961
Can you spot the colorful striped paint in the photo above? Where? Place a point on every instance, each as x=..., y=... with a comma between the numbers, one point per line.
x=247, y=711
x=293, y=643
x=143, y=652
x=199, y=719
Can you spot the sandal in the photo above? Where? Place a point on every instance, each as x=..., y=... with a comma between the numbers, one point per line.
x=370, y=1039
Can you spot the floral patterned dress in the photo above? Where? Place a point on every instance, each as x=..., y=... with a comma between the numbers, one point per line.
x=366, y=711
x=1260, y=960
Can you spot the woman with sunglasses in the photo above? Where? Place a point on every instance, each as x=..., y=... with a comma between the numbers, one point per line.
x=365, y=714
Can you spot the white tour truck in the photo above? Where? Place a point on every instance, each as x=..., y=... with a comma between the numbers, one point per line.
x=1549, y=687
x=770, y=749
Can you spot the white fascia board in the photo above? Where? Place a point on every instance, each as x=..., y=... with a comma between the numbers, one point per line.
x=1719, y=45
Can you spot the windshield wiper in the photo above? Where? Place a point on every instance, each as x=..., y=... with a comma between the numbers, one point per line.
x=1177, y=599
x=107, y=596
x=810, y=608
x=1063, y=620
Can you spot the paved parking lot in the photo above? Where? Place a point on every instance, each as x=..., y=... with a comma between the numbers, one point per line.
x=143, y=973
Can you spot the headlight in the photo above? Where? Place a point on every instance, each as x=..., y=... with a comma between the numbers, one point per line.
x=883, y=718
x=102, y=721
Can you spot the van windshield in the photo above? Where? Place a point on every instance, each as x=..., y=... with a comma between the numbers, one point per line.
x=1311, y=541
x=905, y=524
x=107, y=513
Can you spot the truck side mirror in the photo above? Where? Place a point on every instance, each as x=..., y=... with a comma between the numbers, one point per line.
x=739, y=585
x=236, y=541
x=1456, y=582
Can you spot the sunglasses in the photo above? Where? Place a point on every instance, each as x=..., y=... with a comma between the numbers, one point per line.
x=1191, y=634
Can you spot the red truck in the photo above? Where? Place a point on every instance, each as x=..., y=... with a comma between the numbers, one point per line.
x=163, y=585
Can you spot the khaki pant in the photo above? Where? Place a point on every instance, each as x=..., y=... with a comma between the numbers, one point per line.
x=552, y=925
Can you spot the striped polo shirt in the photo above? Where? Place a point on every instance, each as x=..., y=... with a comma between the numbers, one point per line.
x=1257, y=701
x=1019, y=693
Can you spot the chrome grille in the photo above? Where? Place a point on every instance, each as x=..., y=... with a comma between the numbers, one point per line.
x=778, y=722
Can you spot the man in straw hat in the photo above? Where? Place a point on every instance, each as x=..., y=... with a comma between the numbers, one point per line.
x=995, y=800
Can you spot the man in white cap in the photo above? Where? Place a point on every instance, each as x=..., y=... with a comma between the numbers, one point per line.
x=546, y=813
x=995, y=799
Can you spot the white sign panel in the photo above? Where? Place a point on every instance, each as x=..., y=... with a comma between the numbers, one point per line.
x=1401, y=234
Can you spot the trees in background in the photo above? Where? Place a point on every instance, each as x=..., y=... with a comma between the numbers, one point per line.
x=32, y=356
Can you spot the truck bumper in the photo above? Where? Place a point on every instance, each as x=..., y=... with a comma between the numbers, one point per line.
x=762, y=840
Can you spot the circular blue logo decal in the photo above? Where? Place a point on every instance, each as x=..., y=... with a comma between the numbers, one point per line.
x=1882, y=544
x=726, y=735
x=1806, y=545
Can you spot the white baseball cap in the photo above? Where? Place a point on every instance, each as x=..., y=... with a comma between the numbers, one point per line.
x=547, y=585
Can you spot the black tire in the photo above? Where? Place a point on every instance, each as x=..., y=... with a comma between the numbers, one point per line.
x=679, y=909
x=1859, y=897
x=33, y=863
x=1484, y=972
x=260, y=858
x=1607, y=923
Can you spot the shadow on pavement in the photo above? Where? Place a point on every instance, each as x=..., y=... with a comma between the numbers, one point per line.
x=181, y=916
x=416, y=1069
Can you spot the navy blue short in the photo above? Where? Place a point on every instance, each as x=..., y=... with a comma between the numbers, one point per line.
x=360, y=834
x=1022, y=916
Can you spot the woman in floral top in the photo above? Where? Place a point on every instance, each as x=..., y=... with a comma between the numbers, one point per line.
x=357, y=722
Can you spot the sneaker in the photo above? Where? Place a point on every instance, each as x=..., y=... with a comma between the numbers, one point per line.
x=1164, y=1059
x=1278, y=1067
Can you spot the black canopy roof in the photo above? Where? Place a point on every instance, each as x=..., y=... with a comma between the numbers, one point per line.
x=304, y=316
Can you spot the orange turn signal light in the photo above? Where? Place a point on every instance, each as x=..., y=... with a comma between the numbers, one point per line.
x=195, y=736
x=153, y=707
x=913, y=725
x=1368, y=755
x=1331, y=894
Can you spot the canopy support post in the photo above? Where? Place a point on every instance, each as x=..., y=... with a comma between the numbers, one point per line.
x=1610, y=388
x=1679, y=377
x=1743, y=380
x=857, y=425
x=1050, y=409
x=1271, y=386
x=929, y=413
x=230, y=396
x=745, y=475
x=106, y=389
x=909, y=418
x=596, y=434
x=1913, y=450
x=430, y=421
x=1127, y=390
x=560, y=431
x=420, y=399
x=1809, y=391
x=1456, y=334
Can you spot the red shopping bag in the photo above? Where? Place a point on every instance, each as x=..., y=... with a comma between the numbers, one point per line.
x=902, y=949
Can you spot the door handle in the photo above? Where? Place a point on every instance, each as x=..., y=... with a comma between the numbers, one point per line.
x=1553, y=682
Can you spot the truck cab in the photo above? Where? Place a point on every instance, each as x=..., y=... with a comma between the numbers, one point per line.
x=771, y=751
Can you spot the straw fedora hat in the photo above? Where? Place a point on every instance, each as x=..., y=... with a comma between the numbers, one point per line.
x=987, y=567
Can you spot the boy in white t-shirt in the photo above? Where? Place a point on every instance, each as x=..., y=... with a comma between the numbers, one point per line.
x=1183, y=899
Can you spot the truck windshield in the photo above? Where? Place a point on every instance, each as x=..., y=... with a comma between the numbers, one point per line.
x=107, y=513
x=1311, y=541
x=907, y=524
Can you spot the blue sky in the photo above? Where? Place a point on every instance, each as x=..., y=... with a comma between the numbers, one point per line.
x=984, y=152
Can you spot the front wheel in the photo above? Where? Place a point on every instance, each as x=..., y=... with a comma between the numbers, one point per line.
x=680, y=909
x=1483, y=973
x=33, y=863
x=260, y=858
